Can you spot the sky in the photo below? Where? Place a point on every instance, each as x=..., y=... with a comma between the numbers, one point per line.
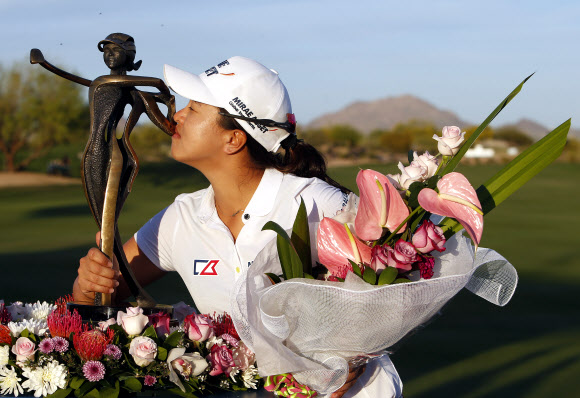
x=461, y=56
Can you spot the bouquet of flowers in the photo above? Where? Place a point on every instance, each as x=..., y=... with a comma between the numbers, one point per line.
x=47, y=350
x=387, y=263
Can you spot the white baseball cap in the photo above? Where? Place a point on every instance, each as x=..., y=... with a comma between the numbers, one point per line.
x=246, y=89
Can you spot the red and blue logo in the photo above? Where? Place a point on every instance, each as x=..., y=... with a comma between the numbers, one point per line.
x=205, y=267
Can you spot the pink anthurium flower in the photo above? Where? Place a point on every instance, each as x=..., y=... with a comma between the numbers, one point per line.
x=456, y=199
x=380, y=206
x=337, y=245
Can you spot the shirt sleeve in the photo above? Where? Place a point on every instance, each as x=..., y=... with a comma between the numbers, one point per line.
x=324, y=200
x=156, y=238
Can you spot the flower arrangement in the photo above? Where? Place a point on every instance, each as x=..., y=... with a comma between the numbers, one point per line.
x=46, y=350
x=389, y=262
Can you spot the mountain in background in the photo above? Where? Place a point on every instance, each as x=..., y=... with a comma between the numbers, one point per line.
x=385, y=113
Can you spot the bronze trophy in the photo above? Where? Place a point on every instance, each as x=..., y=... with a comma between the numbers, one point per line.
x=109, y=164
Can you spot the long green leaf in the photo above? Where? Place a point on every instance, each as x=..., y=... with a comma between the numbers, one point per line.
x=301, y=238
x=289, y=259
x=517, y=173
x=455, y=160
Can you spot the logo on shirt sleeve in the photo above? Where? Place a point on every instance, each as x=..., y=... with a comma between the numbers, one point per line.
x=205, y=267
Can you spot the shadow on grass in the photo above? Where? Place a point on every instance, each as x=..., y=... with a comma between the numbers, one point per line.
x=529, y=348
x=48, y=275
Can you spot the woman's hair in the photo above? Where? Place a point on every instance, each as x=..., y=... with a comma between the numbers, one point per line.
x=302, y=160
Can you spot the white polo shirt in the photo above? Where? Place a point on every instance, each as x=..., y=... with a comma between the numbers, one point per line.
x=190, y=238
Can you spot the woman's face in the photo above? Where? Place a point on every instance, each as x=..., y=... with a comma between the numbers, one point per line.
x=114, y=56
x=198, y=136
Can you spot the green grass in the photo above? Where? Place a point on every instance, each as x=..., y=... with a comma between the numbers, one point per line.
x=528, y=348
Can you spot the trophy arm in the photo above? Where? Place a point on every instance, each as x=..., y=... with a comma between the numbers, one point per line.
x=36, y=57
x=150, y=100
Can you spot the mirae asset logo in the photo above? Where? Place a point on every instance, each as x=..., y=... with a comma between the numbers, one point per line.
x=205, y=267
x=244, y=110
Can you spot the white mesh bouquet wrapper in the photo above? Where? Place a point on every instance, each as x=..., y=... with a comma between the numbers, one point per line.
x=312, y=328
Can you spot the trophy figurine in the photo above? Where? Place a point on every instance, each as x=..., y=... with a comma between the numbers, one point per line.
x=109, y=164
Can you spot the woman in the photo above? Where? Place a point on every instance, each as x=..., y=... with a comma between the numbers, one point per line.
x=238, y=116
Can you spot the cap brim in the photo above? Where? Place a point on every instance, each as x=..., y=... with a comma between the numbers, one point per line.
x=188, y=85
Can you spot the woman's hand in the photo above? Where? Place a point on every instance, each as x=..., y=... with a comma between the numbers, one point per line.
x=96, y=274
x=352, y=377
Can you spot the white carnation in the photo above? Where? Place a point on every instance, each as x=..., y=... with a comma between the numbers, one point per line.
x=38, y=310
x=249, y=377
x=45, y=380
x=36, y=326
x=9, y=382
x=4, y=354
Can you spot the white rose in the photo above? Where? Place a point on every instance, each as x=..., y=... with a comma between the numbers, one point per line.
x=411, y=174
x=133, y=322
x=192, y=364
x=450, y=141
x=143, y=350
x=426, y=160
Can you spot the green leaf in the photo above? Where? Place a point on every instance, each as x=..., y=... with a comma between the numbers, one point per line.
x=401, y=280
x=161, y=353
x=369, y=276
x=132, y=384
x=85, y=388
x=25, y=333
x=273, y=277
x=76, y=382
x=94, y=393
x=414, y=190
x=110, y=392
x=150, y=332
x=289, y=259
x=301, y=238
x=308, y=276
x=388, y=275
x=173, y=339
x=432, y=182
x=516, y=173
x=355, y=268
x=467, y=144
x=177, y=391
x=60, y=393
x=410, y=156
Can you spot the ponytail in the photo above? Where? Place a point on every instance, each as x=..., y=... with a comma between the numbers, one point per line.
x=300, y=158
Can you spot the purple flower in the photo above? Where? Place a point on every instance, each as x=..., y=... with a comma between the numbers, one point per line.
x=46, y=346
x=150, y=380
x=60, y=344
x=113, y=351
x=94, y=370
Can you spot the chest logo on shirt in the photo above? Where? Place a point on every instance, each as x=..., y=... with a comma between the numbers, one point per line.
x=205, y=267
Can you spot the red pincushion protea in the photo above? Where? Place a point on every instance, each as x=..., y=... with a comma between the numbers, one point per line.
x=223, y=325
x=5, y=337
x=91, y=344
x=61, y=303
x=62, y=324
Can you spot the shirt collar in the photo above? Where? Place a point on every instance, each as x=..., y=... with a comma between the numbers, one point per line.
x=262, y=201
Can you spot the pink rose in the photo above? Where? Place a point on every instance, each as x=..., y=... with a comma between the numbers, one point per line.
x=426, y=160
x=379, y=258
x=23, y=349
x=412, y=173
x=160, y=322
x=143, y=350
x=221, y=359
x=104, y=325
x=243, y=356
x=198, y=327
x=402, y=256
x=133, y=322
x=450, y=141
x=428, y=237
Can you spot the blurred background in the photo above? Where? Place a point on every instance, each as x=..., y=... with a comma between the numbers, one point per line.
x=369, y=82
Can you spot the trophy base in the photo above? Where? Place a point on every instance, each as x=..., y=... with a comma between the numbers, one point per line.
x=98, y=313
